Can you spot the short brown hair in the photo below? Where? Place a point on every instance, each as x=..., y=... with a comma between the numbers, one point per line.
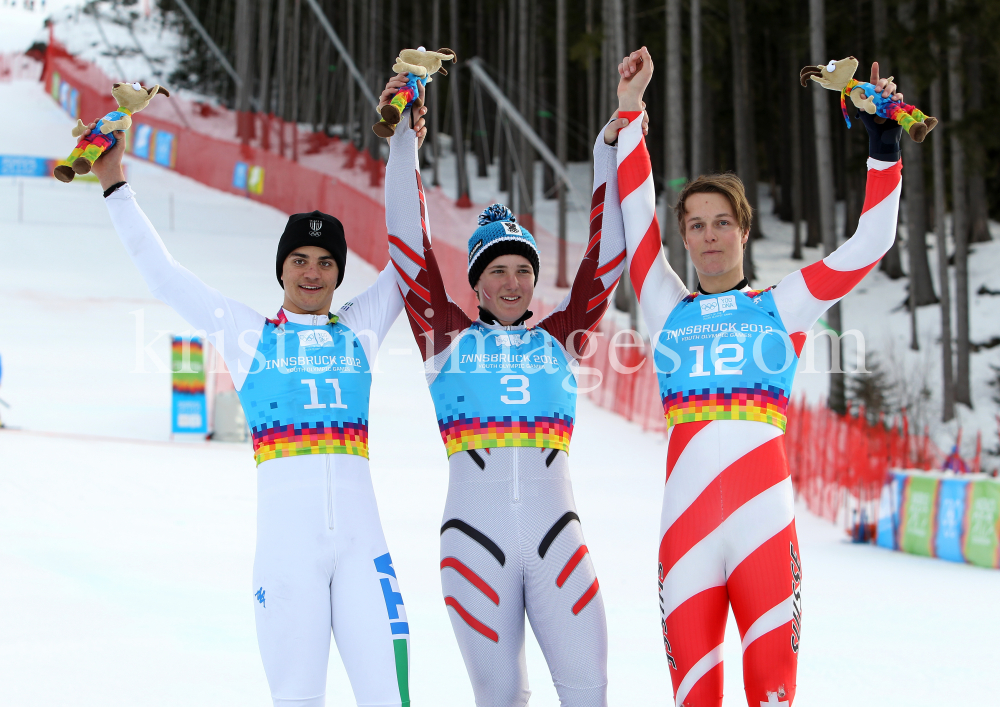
x=729, y=185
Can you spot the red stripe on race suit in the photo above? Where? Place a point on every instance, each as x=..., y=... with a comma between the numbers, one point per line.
x=476, y=581
x=585, y=599
x=414, y=286
x=881, y=183
x=644, y=255
x=597, y=300
x=571, y=565
x=798, y=341
x=745, y=479
x=633, y=171
x=680, y=435
x=473, y=622
x=611, y=265
x=415, y=317
x=825, y=283
x=407, y=251
x=764, y=578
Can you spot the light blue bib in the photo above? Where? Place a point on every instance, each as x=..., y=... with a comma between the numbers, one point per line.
x=725, y=357
x=307, y=392
x=502, y=388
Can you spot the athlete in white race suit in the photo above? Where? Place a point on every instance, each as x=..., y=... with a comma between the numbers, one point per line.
x=321, y=559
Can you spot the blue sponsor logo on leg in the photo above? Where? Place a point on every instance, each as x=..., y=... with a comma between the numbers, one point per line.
x=260, y=597
x=393, y=599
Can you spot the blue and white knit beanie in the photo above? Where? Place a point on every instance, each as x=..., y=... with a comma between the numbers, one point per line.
x=499, y=234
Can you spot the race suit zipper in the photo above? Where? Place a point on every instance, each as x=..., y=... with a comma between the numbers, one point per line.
x=517, y=481
x=329, y=491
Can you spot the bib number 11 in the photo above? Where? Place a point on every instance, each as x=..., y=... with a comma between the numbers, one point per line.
x=314, y=403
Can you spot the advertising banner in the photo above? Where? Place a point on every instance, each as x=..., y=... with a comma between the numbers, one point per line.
x=24, y=166
x=188, y=410
x=165, y=150
x=919, y=513
x=141, y=142
x=240, y=172
x=951, y=519
x=255, y=182
x=887, y=535
x=982, y=524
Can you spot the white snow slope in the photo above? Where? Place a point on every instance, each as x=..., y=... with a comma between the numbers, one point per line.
x=125, y=559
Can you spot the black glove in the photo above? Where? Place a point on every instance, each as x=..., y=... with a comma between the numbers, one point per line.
x=883, y=138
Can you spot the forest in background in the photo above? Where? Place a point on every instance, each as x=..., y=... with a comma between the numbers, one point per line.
x=725, y=96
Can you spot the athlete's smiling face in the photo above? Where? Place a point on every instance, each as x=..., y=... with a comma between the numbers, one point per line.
x=309, y=274
x=505, y=288
x=712, y=235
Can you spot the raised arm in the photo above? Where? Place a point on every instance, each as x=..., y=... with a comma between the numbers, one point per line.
x=370, y=313
x=431, y=312
x=805, y=294
x=572, y=322
x=233, y=327
x=656, y=285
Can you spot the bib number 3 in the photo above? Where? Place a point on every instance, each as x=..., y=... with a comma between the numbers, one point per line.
x=522, y=389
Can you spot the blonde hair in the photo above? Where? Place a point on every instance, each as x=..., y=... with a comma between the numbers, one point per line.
x=729, y=185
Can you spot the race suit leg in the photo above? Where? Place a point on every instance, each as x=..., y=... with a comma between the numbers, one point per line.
x=511, y=543
x=322, y=564
x=728, y=536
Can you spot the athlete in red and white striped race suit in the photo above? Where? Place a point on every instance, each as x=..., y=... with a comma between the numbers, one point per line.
x=727, y=524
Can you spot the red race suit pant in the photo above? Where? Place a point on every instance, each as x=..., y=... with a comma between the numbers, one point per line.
x=728, y=538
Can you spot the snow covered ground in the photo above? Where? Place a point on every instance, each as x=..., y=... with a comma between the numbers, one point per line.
x=125, y=559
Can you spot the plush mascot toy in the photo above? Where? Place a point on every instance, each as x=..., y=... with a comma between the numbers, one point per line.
x=839, y=76
x=131, y=97
x=419, y=64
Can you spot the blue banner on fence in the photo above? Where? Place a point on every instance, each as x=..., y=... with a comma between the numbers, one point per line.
x=952, y=496
x=140, y=144
x=24, y=166
x=164, y=151
x=888, y=512
x=240, y=172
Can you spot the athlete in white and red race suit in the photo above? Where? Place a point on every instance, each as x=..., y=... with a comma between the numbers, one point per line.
x=725, y=357
x=505, y=396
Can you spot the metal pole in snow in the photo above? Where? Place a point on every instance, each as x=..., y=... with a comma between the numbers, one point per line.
x=518, y=121
x=215, y=49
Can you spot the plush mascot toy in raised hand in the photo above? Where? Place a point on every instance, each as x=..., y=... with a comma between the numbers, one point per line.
x=839, y=76
x=419, y=64
x=131, y=97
